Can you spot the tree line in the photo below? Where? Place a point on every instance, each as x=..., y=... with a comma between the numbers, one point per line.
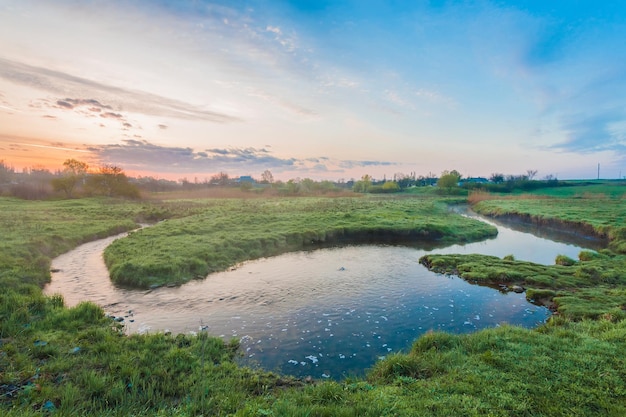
x=76, y=179
x=73, y=180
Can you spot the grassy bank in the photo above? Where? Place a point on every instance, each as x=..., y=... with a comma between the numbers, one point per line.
x=230, y=231
x=589, y=287
x=594, y=214
x=77, y=362
x=584, y=189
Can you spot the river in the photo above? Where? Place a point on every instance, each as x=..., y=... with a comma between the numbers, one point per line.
x=327, y=313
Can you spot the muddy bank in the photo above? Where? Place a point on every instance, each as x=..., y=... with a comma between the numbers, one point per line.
x=576, y=229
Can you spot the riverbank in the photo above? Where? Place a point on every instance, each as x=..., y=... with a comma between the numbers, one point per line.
x=601, y=217
x=592, y=286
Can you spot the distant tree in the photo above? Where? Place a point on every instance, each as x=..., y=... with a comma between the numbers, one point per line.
x=531, y=173
x=497, y=178
x=73, y=174
x=292, y=187
x=327, y=186
x=306, y=186
x=267, y=177
x=221, y=179
x=110, y=180
x=6, y=172
x=363, y=185
x=390, y=187
x=403, y=180
x=456, y=174
x=449, y=180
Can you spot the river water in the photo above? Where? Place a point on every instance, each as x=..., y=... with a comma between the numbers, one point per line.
x=327, y=313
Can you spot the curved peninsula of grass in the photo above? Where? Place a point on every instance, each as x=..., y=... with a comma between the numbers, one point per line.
x=589, y=287
x=228, y=232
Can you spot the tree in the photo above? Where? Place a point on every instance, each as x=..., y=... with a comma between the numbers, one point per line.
x=291, y=187
x=221, y=179
x=6, y=172
x=497, y=178
x=327, y=186
x=73, y=174
x=456, y=174
x=113, y=182
x=449, y=180
x=530, y=174
x=391, y=187
x=403, y=180
x=267, y=177
x=306, y=186
x=363, y=185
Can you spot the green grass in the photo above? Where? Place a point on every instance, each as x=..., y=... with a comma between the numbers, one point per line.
x=228, y=232
x=76, y=362
x=603, y=217
x=590, y=287
x=586, y=189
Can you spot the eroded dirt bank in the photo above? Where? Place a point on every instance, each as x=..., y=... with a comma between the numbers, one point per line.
x=578, y=229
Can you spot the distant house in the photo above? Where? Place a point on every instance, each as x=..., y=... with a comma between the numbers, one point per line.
x=245, y=179
x=474, y=180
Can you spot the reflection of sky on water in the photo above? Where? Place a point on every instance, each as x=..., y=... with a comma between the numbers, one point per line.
x=525, y=241
x=345, y=334
x=325, y=313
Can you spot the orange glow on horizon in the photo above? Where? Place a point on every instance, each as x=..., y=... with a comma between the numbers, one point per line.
x=25, y=153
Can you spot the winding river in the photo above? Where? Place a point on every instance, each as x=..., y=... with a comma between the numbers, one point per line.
x=326, y=313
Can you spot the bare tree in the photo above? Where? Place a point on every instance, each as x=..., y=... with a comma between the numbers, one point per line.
x=221, y=179
x=267, y=177
x=531, y=173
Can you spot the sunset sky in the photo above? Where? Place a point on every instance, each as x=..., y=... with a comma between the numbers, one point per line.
x=316, y=88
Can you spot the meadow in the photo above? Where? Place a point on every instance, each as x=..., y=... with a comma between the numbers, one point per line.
x=229, y=231
x=583, y=189
x=75, y=361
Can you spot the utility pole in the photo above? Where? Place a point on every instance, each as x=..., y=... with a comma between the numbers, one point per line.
x=598, y=170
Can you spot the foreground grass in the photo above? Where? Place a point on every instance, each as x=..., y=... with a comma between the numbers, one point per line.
x=230, y=231
x=77, y=362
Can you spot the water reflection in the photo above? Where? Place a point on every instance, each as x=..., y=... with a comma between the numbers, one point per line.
x=326, y=313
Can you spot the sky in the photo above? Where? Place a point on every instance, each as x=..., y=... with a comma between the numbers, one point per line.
x=315, y=88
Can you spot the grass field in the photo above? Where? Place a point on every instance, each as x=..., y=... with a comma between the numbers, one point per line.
x=77, y=362
x=229, y=231
x=586, y=189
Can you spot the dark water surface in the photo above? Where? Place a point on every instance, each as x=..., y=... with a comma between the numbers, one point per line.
x=326, y=313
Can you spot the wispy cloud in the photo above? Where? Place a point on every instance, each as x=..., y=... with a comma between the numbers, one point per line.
x=142, y=155
x=68, y=85
x=288, y=42
x=587, y=133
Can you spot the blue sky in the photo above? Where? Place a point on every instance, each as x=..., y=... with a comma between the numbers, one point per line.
x=318, y=89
